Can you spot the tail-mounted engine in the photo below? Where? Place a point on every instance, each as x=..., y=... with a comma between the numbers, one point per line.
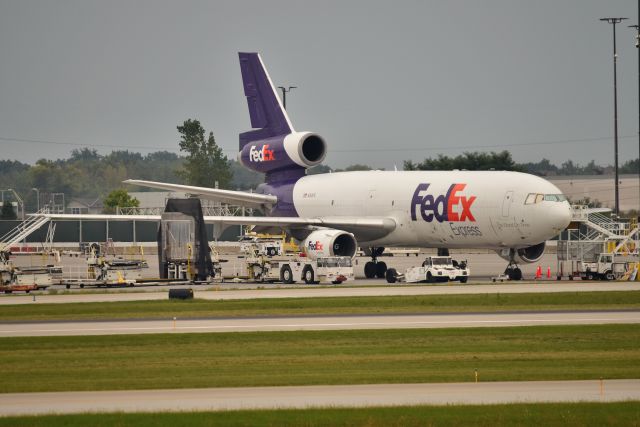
x=305, y=149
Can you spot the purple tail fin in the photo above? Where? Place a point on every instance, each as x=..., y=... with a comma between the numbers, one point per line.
x=268, y=118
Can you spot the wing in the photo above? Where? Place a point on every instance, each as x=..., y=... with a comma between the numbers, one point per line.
x=364, y=228
x=237, y=198
x=369, y=228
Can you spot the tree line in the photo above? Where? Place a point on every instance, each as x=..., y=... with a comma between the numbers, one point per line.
x=86, y=173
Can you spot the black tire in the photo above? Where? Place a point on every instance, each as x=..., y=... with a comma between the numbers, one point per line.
x=336, y=282
x=381, y=269
x=370, y=270
x=515, y=274
x=589, y=276
x=308, y=275
x=68, y=286
x=271, y=251
x=608, y=275
x=429, y=277
x=391, y=275
x=286, y=276
x=464, y=279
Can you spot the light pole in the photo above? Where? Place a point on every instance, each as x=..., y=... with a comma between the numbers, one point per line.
x=284, y=94
x=38, y=197
x=615, y=21
x=637, y=27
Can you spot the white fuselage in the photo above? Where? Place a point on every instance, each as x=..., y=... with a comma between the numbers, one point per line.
x=486, y=209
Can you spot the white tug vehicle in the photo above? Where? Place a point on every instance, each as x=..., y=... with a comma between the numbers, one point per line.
x=433, y=269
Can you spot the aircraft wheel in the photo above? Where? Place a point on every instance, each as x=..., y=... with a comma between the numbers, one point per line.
x=391, y=275
x=308, y=275
x=370, y=270
x=515, y=274
x=381, y=269
x=285, y=274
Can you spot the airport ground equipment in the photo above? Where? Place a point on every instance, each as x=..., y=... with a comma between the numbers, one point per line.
x=592, y=233
x=262, y=246
x=116, y=270
x=433, y=269
x=181, y=294
x=608, y=266
x=291, y=269
x=23, y=230
x=183, y=248
x=27, y=279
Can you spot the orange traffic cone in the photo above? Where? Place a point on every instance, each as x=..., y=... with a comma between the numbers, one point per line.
x=548, y=272
x=539, y=273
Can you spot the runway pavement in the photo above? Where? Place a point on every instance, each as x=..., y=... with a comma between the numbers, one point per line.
x=275, y=291
x=318, y=323
x=318, y=396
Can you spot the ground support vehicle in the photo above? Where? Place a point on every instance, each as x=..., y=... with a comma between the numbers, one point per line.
x=27, y=279
x=114, y=272
x=7, y=289
x=433, y=269
x=291, y=269
x=609, y=266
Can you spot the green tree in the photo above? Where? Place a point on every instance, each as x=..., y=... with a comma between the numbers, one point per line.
x=7, y=211
x=468, y=161
x=205, y=163
x=119, y=198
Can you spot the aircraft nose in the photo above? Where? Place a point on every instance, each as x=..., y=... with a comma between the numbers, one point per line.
x=560, y=216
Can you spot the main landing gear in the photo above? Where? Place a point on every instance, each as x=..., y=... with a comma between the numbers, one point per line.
x=513, y=271
x=375, y=268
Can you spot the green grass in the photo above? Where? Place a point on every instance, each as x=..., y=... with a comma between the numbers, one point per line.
x=334, y=305
x=158, y=361
x=535, y=414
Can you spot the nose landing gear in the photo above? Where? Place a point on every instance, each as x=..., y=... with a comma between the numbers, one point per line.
x=375, y=268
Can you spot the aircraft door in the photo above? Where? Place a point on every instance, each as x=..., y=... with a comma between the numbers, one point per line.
x=506, y=203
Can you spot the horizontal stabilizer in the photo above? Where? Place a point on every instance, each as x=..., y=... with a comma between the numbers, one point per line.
x=236, y=198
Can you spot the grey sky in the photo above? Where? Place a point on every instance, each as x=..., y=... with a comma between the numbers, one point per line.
x=441, y=76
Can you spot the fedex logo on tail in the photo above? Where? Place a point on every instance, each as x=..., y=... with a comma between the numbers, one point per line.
x=315, y=246
x=452, y=207
x=261, y=155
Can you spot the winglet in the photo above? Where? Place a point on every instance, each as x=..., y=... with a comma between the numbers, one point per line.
x=268, y=117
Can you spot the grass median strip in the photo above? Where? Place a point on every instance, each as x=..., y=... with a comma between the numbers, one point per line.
x=532, y=414
x=127, y=362
x=200, y=308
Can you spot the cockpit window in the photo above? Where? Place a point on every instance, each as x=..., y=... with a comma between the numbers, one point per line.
x=555, y=197
x=533, y=198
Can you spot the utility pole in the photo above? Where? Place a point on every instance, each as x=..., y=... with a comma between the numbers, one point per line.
x=615, y=21
x=284, y=94
x=637, y=27
x=37, y=197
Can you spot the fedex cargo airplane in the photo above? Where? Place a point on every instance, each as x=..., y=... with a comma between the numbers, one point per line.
x=332, y=214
